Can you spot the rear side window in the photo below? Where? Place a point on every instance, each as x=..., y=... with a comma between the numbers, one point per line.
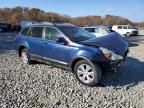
x=25, y=31
x=92, y=30
x=119, y=27
x=37, y=32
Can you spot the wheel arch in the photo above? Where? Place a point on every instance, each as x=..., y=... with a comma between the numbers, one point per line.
x=75, y=60
x=20, y=49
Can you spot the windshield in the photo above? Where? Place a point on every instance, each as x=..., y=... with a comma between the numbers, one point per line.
x=76, y=34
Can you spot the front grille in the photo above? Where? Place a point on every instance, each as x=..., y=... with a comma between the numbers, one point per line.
x=135, y=32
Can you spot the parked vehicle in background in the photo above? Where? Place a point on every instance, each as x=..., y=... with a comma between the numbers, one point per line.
x=16, y=28
x=0, y=30
x=127, y=30
x=9, y=27
x=98, y=31
x=72, y=48
x=4, y=27
x=141, y=31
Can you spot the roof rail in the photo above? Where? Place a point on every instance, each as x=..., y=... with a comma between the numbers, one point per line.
x=53, y=24
x=46, y=23
x=69, y=24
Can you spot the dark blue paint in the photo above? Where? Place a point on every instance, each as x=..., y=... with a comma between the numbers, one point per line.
x=67, y=53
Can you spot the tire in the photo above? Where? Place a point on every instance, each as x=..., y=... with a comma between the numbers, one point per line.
x=128, y=34
x=25, y=56
x=87, y=73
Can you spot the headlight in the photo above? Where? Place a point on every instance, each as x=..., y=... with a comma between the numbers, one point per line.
x=109, y=55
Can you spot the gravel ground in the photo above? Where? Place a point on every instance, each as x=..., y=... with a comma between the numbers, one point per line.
x=141, y=32
x=44, y=86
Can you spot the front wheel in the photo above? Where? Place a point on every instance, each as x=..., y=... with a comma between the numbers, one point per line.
x=87, y=73
x=128, y=34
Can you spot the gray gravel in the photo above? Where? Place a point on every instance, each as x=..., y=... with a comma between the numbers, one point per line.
x=43, y=86
x=141, y=31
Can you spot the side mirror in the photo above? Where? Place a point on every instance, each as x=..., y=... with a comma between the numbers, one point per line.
x=62, y=40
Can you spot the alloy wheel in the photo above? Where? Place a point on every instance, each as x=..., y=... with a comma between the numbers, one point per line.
x=85, y=73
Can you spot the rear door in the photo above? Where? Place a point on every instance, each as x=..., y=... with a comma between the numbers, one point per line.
x=35, y=41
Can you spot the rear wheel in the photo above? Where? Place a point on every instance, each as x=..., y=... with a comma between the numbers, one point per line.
x=25, y=56
x=87, y=73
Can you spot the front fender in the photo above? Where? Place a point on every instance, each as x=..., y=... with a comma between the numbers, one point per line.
x=93, y=56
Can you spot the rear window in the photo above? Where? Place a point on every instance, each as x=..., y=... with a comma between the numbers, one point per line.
x=119, y=27
x=37, y=32
x=25, y=31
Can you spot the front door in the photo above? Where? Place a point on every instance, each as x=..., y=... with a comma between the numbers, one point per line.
x=52, y=50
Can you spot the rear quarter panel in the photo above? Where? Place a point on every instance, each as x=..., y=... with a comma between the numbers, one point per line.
x=21, y=41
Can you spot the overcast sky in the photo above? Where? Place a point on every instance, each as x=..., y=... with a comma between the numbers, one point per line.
x=131, y=9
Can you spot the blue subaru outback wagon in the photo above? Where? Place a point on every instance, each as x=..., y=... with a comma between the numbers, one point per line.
x=72, y=48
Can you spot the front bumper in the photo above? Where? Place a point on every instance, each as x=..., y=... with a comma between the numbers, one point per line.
x=134, y=33
x=111, y=65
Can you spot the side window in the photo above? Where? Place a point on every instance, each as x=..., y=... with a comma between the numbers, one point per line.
x=52, y=34
x=119, y=27
x=25, y=31
x=124, y=27
x=92, y=30
x=37, y=32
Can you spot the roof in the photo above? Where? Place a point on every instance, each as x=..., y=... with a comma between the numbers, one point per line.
x=122, y=25
x=51, y=24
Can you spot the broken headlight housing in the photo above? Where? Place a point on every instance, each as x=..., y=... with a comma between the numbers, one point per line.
x=109, y=55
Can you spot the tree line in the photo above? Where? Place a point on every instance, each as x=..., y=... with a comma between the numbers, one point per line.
x=17, y=14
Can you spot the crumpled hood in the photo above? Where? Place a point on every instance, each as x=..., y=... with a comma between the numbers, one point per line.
x=113, y=42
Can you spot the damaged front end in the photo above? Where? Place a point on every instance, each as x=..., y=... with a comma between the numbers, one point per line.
x=112, y=61
x=114, y=49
